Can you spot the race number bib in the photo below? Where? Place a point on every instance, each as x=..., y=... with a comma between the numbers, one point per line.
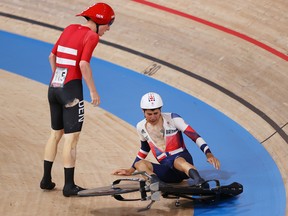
x=59, y=77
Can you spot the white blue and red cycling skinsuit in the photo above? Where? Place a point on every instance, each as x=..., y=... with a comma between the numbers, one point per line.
x=173, y=125
x=65, y=92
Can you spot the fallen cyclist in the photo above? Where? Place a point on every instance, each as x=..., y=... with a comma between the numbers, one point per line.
x=161, y=133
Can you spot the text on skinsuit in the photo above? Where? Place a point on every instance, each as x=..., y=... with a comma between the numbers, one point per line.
x=81, y=111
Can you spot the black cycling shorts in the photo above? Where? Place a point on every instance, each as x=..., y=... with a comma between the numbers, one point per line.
x=67, y=106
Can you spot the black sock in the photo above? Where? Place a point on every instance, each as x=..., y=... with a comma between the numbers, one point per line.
x=195, y=175
x=69, y=176
x=47, y=170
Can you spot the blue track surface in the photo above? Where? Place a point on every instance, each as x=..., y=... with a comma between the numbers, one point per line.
x=242, y=157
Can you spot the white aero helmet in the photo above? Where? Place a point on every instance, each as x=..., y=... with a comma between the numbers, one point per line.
x=151, y=100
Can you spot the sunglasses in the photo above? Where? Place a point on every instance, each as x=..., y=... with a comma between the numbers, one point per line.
x=111, y=22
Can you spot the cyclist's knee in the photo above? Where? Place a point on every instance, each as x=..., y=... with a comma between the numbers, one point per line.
x=57, y=134
x=143, y=165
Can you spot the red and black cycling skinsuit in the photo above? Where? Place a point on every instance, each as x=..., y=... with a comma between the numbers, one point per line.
x=65, y=92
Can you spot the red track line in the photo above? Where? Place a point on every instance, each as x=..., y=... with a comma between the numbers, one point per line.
x=216, y=26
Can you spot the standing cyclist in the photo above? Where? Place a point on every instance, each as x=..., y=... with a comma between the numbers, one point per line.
x=70, y=61
x=161, y=133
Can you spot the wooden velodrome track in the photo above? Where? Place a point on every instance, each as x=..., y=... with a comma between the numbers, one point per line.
x=246, y=82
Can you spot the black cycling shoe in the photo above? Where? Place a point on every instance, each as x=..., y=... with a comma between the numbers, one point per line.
x=72, y=190
x=203, y=184
x=198, y=180
x=49, y=185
